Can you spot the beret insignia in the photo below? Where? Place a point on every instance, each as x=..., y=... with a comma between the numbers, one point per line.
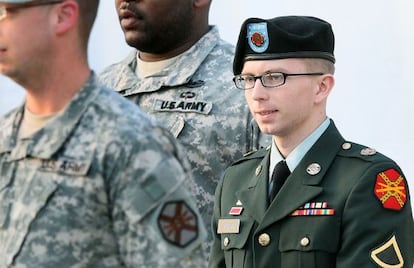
x=258, y=37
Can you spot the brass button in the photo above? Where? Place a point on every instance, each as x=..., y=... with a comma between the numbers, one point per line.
x=304, y=241
x=264, y=240
x=226, y=241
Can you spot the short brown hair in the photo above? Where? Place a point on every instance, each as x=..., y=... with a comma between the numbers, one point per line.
x=319, y=65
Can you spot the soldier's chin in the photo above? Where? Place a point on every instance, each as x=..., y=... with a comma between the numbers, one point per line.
x=266, y=129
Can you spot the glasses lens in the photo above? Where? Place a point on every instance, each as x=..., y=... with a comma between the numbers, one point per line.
x=273, y=79
x=248, y=81
x=239, y=82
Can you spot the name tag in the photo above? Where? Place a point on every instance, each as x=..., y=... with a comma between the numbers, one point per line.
x=201, y=107
x=228, y=226
x=65, y=166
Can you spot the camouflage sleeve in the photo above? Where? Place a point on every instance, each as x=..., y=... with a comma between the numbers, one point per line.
x=155, y=219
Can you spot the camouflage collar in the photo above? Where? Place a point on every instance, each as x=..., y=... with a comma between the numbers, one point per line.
x=41, y=144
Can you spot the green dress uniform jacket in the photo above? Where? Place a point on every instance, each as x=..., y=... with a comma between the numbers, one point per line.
x=336, y=209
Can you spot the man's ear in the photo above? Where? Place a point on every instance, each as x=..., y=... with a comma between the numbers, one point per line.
x=325, y=86
x=66, y=16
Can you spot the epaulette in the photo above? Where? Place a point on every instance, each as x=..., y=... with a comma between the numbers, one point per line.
x=350, y=149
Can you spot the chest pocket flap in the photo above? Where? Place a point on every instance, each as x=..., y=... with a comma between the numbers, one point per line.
x=237, y=241
x=310, y=233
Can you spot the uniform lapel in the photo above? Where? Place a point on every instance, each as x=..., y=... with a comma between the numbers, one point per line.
x=292, y=195
x=254, y=198
x=301, y=186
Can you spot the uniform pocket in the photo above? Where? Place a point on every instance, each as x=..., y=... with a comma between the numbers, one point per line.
x=175, y=124
x=234, y=245
x=309, y=241
x=30, y=199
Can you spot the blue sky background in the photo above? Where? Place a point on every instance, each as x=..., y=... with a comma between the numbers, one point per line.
x=372, y=102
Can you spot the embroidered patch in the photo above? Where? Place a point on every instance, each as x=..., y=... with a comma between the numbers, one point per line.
x=314, y=209
x=388, y=255
x=184, y=106
x=178, y=223
x=390, y=189
x=65, y=166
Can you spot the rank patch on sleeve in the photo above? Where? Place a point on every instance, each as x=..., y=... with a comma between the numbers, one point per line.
x=388, y=254
x=390, y=189
x=178, y=223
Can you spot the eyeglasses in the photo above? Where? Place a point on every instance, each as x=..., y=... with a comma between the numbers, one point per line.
x=5, y=9
x=273, y=79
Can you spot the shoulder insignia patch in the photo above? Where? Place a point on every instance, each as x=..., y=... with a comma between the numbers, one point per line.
x=390, y=189
x=178, y=223
x=388, y=255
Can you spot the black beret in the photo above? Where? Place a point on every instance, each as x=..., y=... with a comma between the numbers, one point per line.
x=284, y=37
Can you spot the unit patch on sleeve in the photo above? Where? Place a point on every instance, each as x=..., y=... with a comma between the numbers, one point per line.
x=388, y=255
x=390, y=189
x=178, y=223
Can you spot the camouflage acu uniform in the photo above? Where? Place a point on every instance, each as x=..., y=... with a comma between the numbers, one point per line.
x=99, y=186
x=196, y=100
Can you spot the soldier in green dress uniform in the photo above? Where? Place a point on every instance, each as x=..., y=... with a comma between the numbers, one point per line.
x=311, y=198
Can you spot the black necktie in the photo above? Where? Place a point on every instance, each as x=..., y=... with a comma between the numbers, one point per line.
x=279, y=175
